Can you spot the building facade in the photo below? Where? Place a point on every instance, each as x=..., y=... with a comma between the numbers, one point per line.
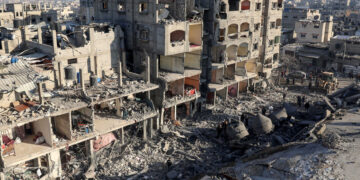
x=314, y=31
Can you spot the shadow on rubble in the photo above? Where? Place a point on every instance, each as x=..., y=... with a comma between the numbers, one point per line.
x=175, y=152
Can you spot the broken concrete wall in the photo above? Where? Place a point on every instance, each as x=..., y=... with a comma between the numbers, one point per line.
x=217, y=75
x=176, y=87
x=44, y=126
x=63, y=125
x=193, y=81
x=172, y=63
x=47, y=49
x=243, y=85
x=230, y=72
x=7, y=98
x=192, y=60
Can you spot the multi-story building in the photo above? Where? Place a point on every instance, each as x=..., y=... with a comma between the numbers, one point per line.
x=152, y=61
x=294, y=14
x=314, y=31
x=271, y=35
x=69, y=89
x=344, y=51
x=169, y=34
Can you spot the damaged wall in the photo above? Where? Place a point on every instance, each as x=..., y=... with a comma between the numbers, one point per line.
x=44, y=127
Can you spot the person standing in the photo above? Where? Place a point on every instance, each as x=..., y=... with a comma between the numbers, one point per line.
x=299, y=101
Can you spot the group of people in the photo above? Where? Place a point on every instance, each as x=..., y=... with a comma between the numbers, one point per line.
x=301, y=102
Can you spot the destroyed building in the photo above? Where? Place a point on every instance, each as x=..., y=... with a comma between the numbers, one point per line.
x=344, y=51
x=246, y=45
x=69, y=90
x=130, y=62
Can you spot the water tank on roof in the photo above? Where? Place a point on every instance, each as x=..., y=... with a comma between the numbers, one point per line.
x=70, y=72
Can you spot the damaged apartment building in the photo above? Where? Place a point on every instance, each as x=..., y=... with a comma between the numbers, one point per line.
x=245, y=41
x=245, y=47
x=130, y=62
x=69, y=88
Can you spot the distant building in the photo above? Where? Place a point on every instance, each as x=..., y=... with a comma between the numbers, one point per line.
x=314, y=30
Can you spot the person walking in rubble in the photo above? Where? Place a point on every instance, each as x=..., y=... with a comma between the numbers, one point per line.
x=284, y=96
x=310, y=84
x=303, y=100
x=307, y=106
x=299, y=101
x=218, y=130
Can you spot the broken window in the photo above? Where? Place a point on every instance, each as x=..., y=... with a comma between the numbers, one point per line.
x=244, y=27
x=255, y=46
x=303, y=35
x=222, y=34
x=143, y=7
x=272, y=25
x=316, y=26
x=49, y=19
x=177, y=36
x=121, y=7
x=17, y=14
x=258, y=7
x=231, y=52
x=275, y=57
x=105, y=5
x=233, y=5
x=278, y=23
x=223, y=7
x=243, y=50
x=274, y=5
x=277, y=39
x=280, y=3
x=257, y=26
x=144, y=35
x=72, y=61
x=315, y=36
x=271, y=42
x=245, y=5
x=233, y=31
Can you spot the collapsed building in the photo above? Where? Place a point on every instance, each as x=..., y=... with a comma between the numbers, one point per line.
x=130, y=62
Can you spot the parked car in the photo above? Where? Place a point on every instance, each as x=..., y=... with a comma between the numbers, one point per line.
x=297, y=75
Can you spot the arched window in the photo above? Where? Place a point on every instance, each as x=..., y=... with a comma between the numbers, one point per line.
x=233, y=31
x=243, y=50
x=245, y=5
x=231, y=52
x=177, y=35
x=244, y=27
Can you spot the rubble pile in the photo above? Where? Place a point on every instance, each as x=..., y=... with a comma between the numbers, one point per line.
x=76, y=162
x=348, y=96
x=167, y=154
x=108, y=87
x=301, y=162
